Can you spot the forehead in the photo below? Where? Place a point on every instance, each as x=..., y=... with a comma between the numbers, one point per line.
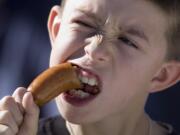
x=124, y=13
x=120, y=10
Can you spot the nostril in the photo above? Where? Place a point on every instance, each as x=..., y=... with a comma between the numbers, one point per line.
x=97, y=49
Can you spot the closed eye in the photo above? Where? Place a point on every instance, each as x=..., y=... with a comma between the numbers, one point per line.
x=83, y=24
x=127, y=42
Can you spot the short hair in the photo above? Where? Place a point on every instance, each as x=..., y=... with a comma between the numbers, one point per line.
x=63, y=2
x=172, y=9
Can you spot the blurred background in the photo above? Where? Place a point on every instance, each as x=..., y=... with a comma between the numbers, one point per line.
x=24, y=44
x=25, y=50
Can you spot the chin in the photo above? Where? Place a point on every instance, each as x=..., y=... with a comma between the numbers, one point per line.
x=77, y=119
x=76, y=115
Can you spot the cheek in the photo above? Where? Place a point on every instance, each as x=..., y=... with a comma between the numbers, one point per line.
x=130, y=78
x=121, y=91
x=65, y=46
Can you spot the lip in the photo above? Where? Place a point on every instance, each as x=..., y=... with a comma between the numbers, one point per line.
x=77, y=101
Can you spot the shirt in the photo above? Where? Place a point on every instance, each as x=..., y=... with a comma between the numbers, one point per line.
x=56, y=126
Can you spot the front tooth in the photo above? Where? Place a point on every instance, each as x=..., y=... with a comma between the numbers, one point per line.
x=84, y=79
x=82, y=94
x=79, y=93
x=72, y=91
x=92, y=81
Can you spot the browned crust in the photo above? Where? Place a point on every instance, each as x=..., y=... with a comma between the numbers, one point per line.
x=52, y=82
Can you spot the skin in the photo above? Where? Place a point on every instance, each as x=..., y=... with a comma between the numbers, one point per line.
x=18, y=114
x=119, y=108
x=129, y=66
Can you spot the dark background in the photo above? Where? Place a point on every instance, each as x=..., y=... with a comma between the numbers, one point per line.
x=24, y=44
x=25, y=50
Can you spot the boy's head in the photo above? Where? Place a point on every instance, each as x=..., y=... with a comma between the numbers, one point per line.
x=172, y=9
x=130, y=46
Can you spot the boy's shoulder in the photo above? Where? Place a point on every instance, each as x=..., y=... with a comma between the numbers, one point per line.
x=52, y=126
x=174, y=133
x=170, y=129
x=55, y=125
x=160, y=128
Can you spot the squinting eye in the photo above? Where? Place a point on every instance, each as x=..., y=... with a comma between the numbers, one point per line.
x=83, y=24
x=127, y=42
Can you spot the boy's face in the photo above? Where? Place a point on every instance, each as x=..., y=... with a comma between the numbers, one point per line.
x=126, y=58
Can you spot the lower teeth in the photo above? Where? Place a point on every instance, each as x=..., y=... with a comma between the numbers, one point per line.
x=79, y=93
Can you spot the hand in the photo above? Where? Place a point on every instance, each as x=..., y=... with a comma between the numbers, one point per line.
x=18, y=114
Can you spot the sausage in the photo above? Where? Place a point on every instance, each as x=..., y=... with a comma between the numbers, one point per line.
x=54, y=81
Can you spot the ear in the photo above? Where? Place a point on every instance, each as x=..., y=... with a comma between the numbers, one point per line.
x=54, y=22
x=167, y=76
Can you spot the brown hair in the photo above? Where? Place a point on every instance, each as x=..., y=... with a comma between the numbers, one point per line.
x=63, y=2
x=172, y=9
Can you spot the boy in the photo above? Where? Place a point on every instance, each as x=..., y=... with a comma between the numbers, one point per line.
x=128, y=48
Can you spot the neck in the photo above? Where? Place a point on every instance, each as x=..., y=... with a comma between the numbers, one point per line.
x=112, y=127
x=132, y=122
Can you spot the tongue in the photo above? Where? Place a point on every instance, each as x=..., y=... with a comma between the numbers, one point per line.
x=90, y=89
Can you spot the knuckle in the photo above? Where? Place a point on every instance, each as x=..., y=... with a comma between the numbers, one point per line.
x=6, y=101
x=5, y=130
x=18, y=94
x=6, y=98
x=6, y=120
x=20, y=90
x=5, y=116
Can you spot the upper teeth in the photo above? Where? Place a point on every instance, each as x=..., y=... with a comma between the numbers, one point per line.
x=91, y=81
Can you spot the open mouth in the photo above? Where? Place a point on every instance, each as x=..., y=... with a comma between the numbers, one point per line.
x=91, y=84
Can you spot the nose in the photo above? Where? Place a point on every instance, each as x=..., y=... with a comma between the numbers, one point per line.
x=96, y=50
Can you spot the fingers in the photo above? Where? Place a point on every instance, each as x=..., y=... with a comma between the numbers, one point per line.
x=9, y=104
x=10, y=116
x=31, y=116
x=18, y=96
x=18, y=114
x=7, y=120
x=30, y=107
x=5, y=130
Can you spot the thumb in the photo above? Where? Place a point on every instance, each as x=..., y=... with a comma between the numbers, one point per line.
x=31, y=116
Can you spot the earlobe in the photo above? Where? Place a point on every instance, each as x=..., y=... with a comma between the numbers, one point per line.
x=167, y=76
x=54, y=22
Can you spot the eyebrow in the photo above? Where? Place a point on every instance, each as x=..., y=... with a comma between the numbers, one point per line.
x=136, y=31
x=133, y=30
x=89, y=14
